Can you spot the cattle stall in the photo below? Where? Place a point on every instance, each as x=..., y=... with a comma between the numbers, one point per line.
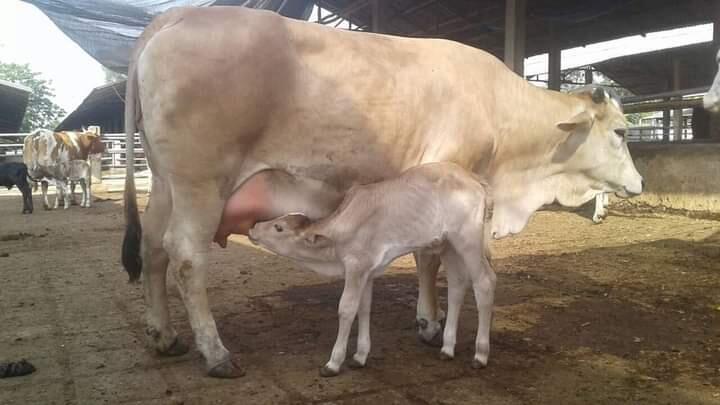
x=622, y=312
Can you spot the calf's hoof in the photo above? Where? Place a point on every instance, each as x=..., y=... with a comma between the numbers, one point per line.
x=226, y=369
x=326, y=371
x=354, y=364
x=177, y=348
x=477, y=364
x=445, y=357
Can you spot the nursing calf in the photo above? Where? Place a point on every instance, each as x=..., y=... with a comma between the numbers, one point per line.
x=438, y=207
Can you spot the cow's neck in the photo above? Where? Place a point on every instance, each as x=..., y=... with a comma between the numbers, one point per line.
x=524, y=175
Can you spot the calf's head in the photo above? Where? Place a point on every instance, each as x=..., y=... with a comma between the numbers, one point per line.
x=292, y=236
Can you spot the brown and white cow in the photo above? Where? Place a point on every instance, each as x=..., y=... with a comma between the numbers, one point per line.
x=223, y=94
x=438, y=207
x=60, y=156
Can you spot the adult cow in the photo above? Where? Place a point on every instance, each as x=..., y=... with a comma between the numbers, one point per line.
x=226, y=96
x=711, y=100
x=53, y=155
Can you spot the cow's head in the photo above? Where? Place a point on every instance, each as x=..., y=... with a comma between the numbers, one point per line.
x=587, y=154
x=91, y=142
x=292, y=236
x=711, y=101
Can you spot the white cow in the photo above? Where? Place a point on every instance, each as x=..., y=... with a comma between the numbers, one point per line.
x=711, y=100
x=330, y=108
x=438, y=207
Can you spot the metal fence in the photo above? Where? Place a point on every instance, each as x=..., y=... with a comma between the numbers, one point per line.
x=114, y=157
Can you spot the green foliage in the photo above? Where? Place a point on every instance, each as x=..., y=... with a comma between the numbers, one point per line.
x=41, y=112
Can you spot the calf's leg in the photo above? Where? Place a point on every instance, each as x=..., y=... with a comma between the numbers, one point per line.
x=24, y=188
x=457, y=286
x=356, y=276
x=430, y=317
x=359, y=359
x=483, y=282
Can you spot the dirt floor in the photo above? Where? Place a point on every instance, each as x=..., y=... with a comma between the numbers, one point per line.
x=623, y=312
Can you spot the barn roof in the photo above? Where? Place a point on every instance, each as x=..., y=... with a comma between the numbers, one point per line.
x=104, y=106
x=569, y=23
x=652, y=72
x=13, y=102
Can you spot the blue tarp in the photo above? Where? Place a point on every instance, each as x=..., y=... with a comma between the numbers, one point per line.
x=107, y=29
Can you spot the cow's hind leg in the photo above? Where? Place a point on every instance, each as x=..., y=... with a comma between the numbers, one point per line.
x=155, y=262
x=430, y=318
x=44, y=188
x=194, y=219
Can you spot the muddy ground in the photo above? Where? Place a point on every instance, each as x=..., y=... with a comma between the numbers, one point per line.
x=623, y=312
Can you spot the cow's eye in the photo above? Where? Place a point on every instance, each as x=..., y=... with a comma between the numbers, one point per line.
x=620, y=132
x=278, y=228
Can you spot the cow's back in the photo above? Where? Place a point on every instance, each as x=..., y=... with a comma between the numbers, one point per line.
x=246, y=90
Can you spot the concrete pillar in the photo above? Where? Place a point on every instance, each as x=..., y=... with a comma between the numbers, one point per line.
x=666, y=124
x=554, y=67
x=96, y=168
x=515, y=11
x=677, y=113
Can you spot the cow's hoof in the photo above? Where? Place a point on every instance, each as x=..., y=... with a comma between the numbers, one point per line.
x=445, y=357
x=477, y=364
x=27, y=212
x=177, y=348
x=47, y=208
x=226, y=369
x=326, y=371
x=431, y=333
x=354, y=364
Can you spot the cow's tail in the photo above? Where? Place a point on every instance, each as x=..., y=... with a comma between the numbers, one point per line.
x=133, y=229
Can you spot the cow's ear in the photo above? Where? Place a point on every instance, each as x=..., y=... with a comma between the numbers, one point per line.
x=581, y=120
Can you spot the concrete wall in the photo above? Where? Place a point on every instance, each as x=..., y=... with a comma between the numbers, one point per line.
x=679, y=176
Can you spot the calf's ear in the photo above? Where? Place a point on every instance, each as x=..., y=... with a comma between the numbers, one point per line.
x=579, y=121
x=316, y=240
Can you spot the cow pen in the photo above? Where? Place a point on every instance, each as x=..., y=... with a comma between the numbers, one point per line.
x=622, y=312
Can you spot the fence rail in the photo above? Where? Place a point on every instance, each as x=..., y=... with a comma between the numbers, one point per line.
x=114, y=156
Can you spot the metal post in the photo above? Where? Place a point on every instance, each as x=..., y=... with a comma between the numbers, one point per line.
x=588, y=76
x=677, y=113
x=377, y=16
x=554, y=67
x=515, y=35
x=666, y=124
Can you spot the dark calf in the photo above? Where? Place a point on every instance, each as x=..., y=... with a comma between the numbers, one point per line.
x=16, y=174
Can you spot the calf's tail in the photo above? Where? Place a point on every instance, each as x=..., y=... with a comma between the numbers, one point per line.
x=131, y=259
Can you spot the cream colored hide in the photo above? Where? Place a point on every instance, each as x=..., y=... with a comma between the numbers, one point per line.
x=333, y=108
x=711, y=100
x=439, y=207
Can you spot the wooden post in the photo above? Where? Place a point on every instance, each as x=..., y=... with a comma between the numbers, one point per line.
x=515, y=35
x=677, y=113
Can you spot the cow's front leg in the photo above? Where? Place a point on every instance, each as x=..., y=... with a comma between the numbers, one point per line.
x=363, y=340
x=194, y=219
x=601, y=202
x=430, y=318
x=356, y=277
x=73, y=200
